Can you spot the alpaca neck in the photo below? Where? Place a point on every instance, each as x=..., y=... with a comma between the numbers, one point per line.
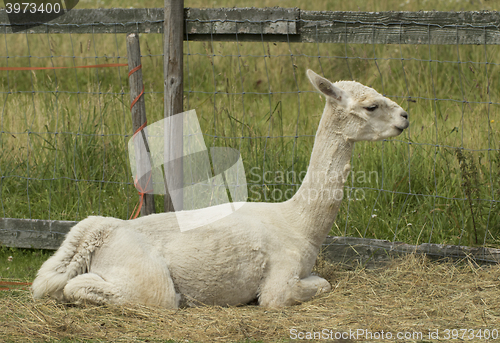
x=318, y=199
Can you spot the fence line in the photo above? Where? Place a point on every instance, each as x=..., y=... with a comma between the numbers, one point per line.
x=349, y=251
x=289, y=26
x=283, y=24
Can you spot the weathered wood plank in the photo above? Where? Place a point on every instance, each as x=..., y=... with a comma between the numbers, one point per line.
x=109, y=20
x=150, y=20
x=422, y=27
x=173, y=80
x=474, y=18
x=348, y=251
x=139, y=118
x=33, y=233
x=292, y=25
x=351, y=251
x=214, y=21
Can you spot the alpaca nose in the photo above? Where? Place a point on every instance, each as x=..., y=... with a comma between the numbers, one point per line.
x=404, y=115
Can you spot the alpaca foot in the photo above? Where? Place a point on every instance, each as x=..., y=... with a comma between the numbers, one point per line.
x=294, y=291
x=309, y=287
x=91, y=288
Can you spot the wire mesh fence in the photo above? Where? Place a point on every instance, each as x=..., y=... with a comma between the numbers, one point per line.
x=64, y=133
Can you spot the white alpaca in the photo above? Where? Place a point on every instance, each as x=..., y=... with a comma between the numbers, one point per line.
x=262, y=251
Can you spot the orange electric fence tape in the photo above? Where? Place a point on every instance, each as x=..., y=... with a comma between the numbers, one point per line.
x=45, y=68
x=12, y=283
x=142, y=192
x=4, y=285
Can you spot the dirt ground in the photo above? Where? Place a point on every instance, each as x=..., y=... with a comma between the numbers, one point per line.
x=410, y=300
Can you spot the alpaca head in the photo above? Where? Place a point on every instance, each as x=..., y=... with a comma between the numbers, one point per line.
x=358, y=112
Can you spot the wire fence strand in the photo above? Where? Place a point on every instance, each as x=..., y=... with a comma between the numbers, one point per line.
x=64, y=133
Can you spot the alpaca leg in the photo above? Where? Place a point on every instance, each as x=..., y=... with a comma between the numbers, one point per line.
x=91, y=288
x=73, y=256
x=131, y=264
x=295, y=290
x=308, y=287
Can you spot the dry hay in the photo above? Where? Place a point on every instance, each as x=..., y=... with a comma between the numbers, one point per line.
x=411, y=294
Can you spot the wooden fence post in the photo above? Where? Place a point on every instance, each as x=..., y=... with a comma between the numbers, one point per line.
x=139, y=120
x=173, y=36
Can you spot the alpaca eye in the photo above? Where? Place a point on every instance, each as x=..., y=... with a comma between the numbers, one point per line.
x=371, y=108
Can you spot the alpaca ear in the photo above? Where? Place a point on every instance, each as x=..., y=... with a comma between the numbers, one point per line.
x=326, y=87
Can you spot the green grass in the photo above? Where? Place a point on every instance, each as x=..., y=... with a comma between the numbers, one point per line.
x=20, y=265
x=419, y=182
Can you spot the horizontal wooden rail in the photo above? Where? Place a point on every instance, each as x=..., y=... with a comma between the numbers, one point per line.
x=287, y=25
x=33, y=233
x=353, y=251
x=349, y=251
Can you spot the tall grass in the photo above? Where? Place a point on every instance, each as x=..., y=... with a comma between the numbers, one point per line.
x=64, y=133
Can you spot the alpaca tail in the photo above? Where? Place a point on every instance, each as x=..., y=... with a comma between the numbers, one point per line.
x=73, y=257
